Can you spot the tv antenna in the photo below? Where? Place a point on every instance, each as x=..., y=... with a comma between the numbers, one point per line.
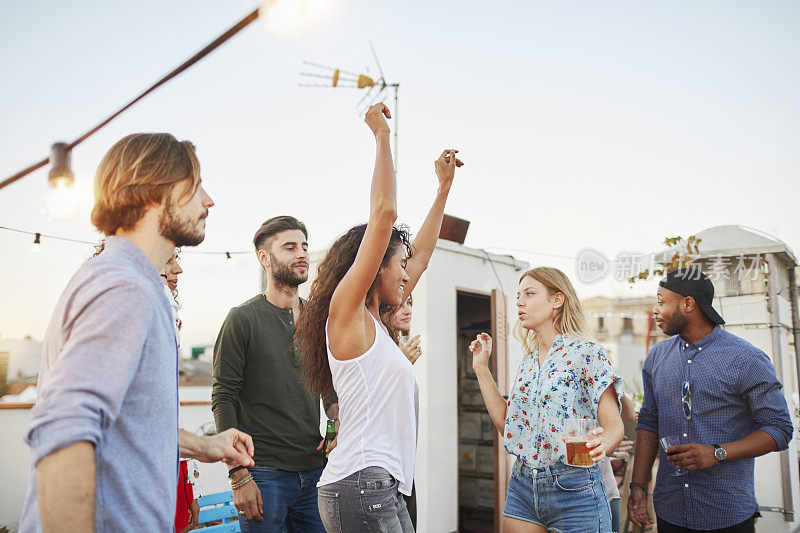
x=342, y=79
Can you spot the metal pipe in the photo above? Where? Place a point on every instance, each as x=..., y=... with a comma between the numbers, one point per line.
x=777, y=361
x=795, y=322
x=396, y=118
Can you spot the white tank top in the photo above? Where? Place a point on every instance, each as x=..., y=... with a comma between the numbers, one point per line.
x=376, y=413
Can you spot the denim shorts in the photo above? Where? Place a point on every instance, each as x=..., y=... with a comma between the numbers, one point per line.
x=367, y=501
x=561, y=498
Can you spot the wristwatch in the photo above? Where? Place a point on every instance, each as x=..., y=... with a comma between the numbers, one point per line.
x=720, y=453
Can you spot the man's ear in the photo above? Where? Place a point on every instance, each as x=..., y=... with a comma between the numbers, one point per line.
x=263, y=258
x=690, y=304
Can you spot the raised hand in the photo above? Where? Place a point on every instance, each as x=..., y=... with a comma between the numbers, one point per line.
x=376, y=118
x=411, y=349
x=446, y=167
x=481, y=349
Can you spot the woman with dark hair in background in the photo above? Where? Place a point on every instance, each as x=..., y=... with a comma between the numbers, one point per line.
x=398, y=322
x=344, y=347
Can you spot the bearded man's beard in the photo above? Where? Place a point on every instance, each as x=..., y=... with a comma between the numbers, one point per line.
x=286, y=275
x=180, y=229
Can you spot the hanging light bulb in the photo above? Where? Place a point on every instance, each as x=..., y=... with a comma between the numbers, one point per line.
x=285, y=16
x=37, y=243
x=281, y=16
x=229, y=260
x=61, y=202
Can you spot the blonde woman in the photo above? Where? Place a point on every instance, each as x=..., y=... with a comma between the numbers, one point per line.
x=564, y=374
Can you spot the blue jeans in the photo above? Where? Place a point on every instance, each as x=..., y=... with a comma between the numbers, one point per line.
x=561, y=498
x=290, y=502
x=364, y=502
x=614, y=514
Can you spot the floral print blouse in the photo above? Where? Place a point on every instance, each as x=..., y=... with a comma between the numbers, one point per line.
x=573, y=376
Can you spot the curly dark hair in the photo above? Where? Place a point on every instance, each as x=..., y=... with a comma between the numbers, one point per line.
x=311, y=323
x=387, y=312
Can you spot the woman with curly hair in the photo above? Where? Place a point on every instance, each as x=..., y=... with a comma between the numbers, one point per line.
x=344, y=347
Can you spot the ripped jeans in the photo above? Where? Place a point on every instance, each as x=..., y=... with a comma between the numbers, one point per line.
x=367, y=501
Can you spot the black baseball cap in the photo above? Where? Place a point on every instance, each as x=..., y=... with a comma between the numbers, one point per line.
x=692, y=282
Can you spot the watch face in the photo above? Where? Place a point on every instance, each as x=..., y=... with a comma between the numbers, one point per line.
x=720, y=454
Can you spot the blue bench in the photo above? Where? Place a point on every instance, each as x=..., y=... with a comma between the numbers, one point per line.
x=215, y=507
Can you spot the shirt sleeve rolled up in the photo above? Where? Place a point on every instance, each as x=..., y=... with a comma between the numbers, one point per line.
x=600, y=375
x=762, y=390
x=84, y=389
x=648, y=414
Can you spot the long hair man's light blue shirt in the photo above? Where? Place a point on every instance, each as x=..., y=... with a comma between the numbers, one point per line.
x=109, y=376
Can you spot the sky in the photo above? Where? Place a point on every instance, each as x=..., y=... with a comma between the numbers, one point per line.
x=603, y=125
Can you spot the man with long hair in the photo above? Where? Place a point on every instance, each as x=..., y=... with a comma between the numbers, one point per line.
x=104, y=433
x=257, y=388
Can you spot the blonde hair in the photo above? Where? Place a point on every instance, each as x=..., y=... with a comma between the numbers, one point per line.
x=569, y=318
x=137, y=172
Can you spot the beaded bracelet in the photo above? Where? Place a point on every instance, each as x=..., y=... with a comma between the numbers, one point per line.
x=637, y=484
x=242, y=482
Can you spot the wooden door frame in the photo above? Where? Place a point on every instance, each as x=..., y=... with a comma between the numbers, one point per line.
x=500, y=367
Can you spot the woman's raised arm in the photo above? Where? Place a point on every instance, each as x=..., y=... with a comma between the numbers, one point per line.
x=425, y=241
x=347, y=302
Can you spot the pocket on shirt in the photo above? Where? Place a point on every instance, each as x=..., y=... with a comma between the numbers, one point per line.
x=562, y=389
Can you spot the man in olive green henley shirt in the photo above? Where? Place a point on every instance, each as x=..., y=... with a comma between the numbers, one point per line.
x=257, y=388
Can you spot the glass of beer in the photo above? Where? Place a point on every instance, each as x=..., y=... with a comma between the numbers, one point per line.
x=668, y=442
x=576, y=435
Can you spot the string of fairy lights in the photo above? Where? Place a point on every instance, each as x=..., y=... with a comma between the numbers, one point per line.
x=229, y=256
x=280, y=16
x=38, y=237
x=634, y=316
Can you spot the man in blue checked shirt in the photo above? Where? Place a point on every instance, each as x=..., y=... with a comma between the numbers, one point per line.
x=718, y=397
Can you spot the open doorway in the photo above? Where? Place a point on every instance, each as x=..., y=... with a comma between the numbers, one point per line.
x=477, y=444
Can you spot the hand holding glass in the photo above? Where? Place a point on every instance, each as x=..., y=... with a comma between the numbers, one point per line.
x=668, y=442
x=576, y=435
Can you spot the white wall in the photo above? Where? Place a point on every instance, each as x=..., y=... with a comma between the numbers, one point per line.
x=435, y=319
x=214, y=476
x=748, y=317
x=15, y=460
x=14, y=465
x=24, y=357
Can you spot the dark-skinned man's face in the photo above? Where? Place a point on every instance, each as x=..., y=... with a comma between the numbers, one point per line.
x=668, y=312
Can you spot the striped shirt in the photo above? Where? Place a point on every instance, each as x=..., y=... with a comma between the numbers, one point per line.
x=734, y=392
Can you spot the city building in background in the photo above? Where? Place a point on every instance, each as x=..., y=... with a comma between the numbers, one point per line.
x=626, y=329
